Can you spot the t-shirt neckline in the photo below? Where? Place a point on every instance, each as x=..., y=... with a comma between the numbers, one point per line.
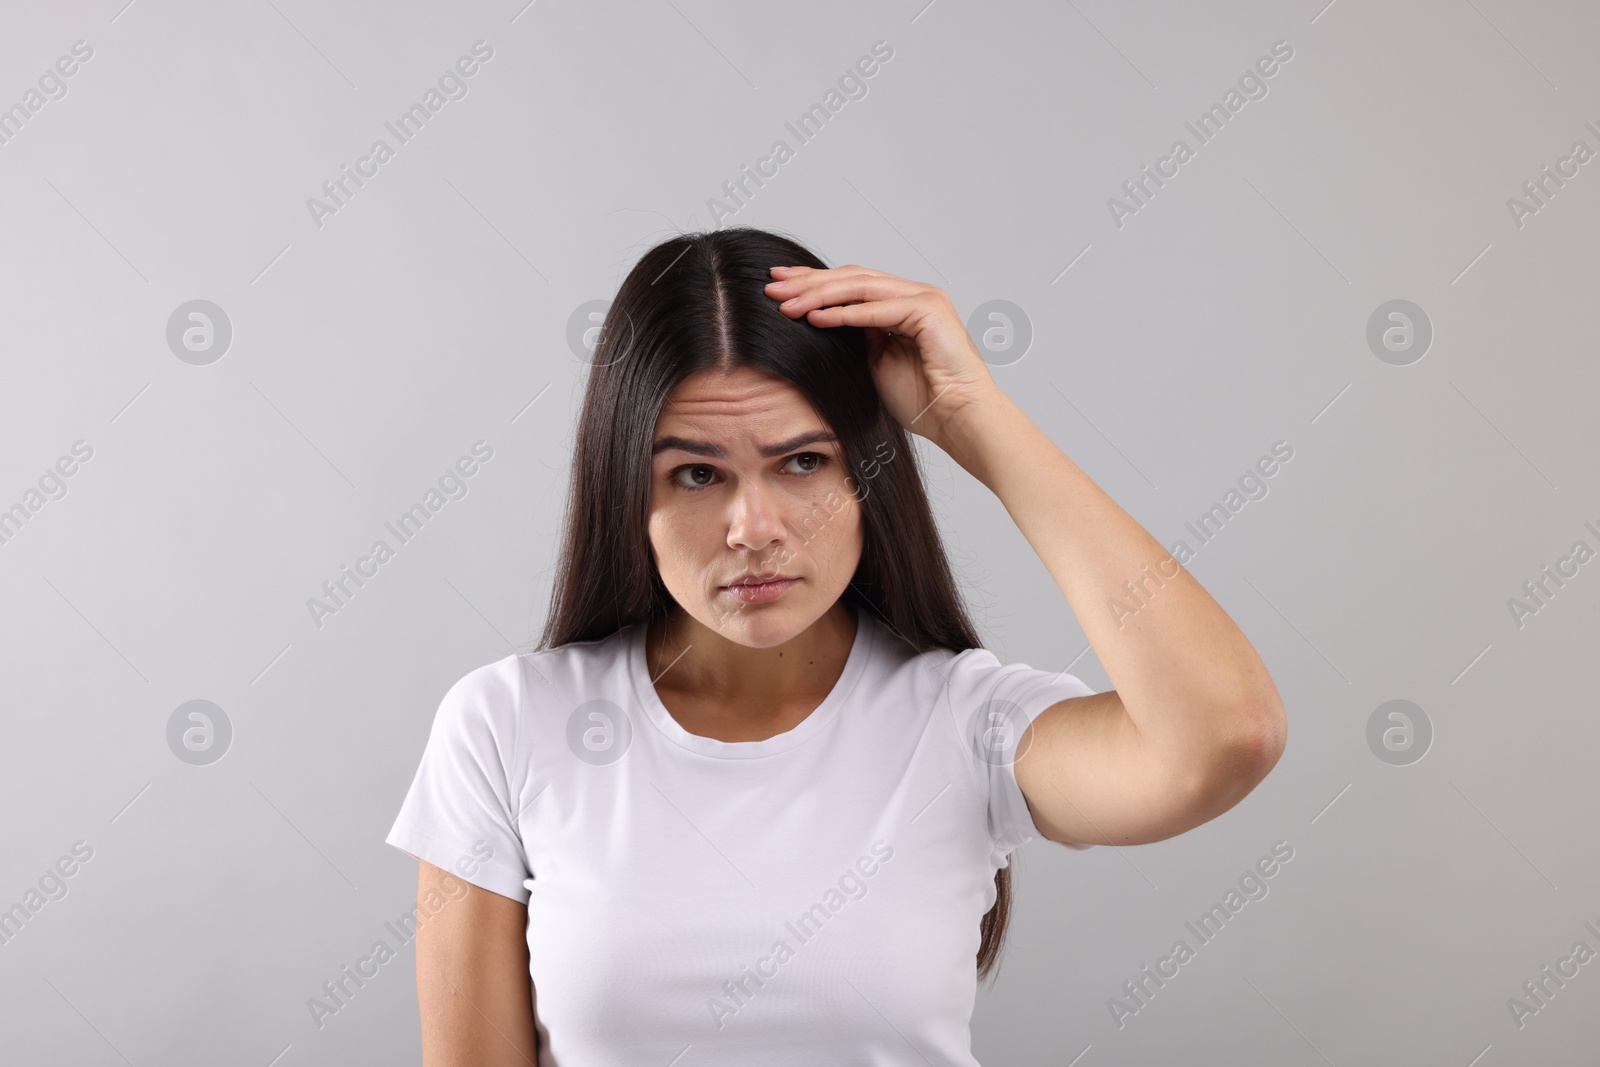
x=657, y=713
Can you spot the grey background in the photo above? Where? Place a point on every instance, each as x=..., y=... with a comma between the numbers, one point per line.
x=1168, y=355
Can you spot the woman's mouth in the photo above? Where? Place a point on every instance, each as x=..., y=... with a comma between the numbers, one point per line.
x=759, y=591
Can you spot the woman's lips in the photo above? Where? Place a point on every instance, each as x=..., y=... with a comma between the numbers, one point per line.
x=761, y=592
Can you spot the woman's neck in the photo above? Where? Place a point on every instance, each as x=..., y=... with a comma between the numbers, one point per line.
x=721, y=683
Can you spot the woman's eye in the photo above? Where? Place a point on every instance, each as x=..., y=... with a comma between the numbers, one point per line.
x=818, y=461
x=694, y=470
x=697, y=476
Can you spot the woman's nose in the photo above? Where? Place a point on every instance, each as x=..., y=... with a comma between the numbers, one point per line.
x=755, y=521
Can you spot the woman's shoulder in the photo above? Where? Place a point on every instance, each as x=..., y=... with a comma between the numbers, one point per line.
x=967, y=676
x=582, y=664
x=532, y=679
x=901, y=665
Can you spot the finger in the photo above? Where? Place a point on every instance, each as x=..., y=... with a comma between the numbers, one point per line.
x=817, y=292
x=797, y=276
x=899, y=315
x=801, y=276
x=824, y=270
x=789, y=272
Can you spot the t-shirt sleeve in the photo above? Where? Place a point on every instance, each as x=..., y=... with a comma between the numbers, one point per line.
x=993, y=704
x=459, y=814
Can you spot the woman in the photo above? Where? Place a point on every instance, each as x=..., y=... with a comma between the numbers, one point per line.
x=753, y=799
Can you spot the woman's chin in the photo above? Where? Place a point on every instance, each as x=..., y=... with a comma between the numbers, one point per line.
x=760, y=625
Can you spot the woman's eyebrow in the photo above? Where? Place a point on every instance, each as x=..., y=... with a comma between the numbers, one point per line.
x=706, y=448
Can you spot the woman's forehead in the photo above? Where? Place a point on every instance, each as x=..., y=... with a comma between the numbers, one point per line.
x=737, y=402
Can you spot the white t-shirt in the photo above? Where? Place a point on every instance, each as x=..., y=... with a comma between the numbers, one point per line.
x=812, y=898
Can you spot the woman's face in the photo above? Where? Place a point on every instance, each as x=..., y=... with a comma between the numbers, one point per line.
x=745, y=480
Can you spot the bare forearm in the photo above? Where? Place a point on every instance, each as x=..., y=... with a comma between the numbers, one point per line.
x=1188, y=677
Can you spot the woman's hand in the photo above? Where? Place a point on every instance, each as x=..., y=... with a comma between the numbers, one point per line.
x=927, y=370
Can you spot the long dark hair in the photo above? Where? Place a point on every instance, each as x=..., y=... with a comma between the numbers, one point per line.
x=693, y=302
